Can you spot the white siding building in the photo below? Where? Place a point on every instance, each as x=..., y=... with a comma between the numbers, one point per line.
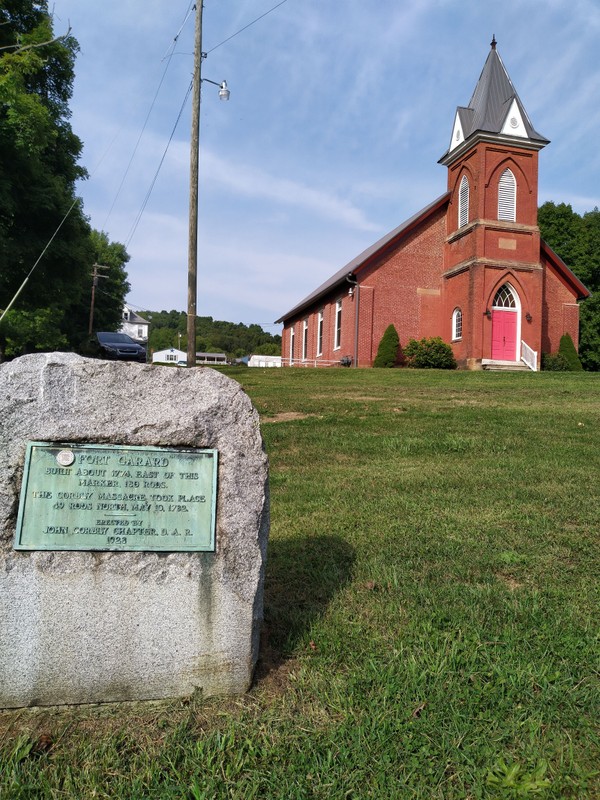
x=135, y=326
x=170, y=356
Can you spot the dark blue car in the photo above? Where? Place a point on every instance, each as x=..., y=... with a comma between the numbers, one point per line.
x=120, y=346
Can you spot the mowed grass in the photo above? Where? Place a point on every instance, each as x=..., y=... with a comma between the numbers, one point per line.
x=431, y=608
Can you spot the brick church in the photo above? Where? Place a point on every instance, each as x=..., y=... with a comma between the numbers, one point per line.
x=470, y=267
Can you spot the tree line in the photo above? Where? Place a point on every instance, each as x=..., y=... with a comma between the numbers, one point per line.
x=576, y=239
x=168, y=329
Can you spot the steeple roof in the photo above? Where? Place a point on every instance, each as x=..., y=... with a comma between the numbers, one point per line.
x=494, y=109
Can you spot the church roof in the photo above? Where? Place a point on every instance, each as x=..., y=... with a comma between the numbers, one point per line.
x=494, y=109
x=351, y=268
x=568, y=276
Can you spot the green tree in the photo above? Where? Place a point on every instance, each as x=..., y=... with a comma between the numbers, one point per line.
x=38, y=170
x=568, y=352
x=30, y=331
x=576, y=239
x=389, y=346
x=113, y=288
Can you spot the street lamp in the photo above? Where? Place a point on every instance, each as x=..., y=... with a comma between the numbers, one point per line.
x=199, y=56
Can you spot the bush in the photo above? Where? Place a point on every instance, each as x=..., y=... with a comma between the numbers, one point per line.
x=431, y=353
x=387, y=352
x=567, y=350
x=554, y=362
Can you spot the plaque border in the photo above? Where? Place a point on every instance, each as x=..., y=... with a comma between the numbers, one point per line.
x=17, y=545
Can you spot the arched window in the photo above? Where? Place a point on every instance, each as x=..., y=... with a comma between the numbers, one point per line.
x=507, y=196
x=504, y=297
x=463, y=202
x=457, y=320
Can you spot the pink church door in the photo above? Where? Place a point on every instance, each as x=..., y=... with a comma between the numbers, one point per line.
x=505, y=318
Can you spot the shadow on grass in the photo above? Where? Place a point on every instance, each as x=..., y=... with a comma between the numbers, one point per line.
x=302, y=577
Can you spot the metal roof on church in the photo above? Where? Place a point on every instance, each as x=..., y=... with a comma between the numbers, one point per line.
x=356, y=263
x=491, y=102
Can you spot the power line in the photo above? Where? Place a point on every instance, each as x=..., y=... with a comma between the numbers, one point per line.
x=42, y=254
x=154, y=179
x=245, y=28
x=168, y=56
x=77, y=199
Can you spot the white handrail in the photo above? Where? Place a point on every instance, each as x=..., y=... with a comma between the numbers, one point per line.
x=528, y=356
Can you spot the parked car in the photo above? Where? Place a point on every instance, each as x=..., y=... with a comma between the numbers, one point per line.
x=120, y=346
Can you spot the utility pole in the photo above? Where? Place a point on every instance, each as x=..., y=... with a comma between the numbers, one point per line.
x=193, y=211
x=95, y=275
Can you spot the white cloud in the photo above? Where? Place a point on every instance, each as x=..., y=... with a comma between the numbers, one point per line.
x=337, y=117
x=252, y=182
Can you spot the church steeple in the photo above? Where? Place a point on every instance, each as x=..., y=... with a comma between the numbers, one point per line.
x=494, y=111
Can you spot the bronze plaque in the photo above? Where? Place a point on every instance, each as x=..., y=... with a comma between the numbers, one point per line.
x=117, y=497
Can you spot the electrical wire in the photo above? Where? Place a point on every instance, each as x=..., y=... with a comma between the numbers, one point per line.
x=245, y=28
x=77, y=199
x=42, y=254
x=151, y=187
x=168, y=56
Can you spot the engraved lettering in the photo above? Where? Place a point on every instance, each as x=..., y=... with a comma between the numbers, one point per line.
x=143, y=461
x=93, y=458
x=92, y=531
x=117, y=498
x=112, y=507
x=75, y=495
x=97, y=482
x=57, y=471
x=90, y=473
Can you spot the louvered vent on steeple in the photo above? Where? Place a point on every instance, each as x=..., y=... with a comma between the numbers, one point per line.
x=463, y=202
x=507, y=196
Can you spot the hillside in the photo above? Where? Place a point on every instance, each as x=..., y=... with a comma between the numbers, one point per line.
x=168, y=329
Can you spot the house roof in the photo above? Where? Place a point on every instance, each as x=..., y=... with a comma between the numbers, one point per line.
x=564, y=272
x=135, y=318
x=488, y=108
x=361, y=261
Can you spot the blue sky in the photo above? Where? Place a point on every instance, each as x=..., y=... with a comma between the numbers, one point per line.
x=339, y=112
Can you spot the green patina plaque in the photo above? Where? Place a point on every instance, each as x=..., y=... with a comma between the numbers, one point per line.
x=105, y=497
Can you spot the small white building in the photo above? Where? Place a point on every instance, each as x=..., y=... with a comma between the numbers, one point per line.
x=211, y=358
x=264, y=361
x=133, y=325
x=170, y=356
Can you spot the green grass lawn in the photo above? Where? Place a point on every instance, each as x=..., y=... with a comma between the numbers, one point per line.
x=431, y=608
